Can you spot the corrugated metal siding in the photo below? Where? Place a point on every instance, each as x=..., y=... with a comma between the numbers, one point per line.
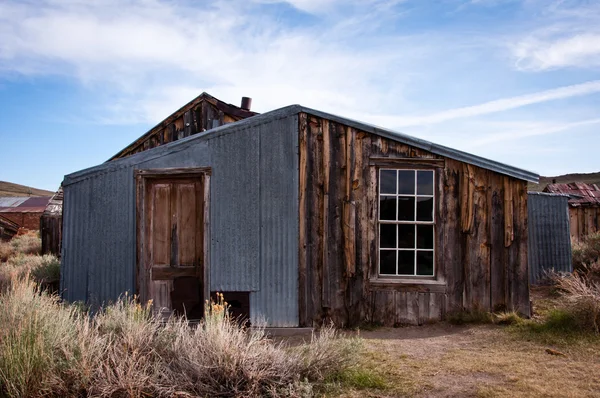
x=254, y=218
x=99, y=239
x=549, y=236
x=277, y=298
x=235, y=212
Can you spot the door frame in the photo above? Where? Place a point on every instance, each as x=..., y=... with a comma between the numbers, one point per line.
x=142, y=177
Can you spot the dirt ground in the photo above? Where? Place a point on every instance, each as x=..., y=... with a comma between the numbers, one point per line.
x=443, y=360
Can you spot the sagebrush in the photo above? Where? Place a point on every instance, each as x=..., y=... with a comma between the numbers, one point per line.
x=51, y=349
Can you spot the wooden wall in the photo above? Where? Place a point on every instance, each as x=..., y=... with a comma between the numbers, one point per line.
x=481, y=238
x=584, y=220
x=201, y=114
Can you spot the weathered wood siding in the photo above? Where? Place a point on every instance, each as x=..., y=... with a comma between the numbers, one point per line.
x=201, y=114
x=481, y=238
x=584, y=220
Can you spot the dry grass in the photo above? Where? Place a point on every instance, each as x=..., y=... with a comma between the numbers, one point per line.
x=582, y=300
x=51, y=349
x=479, y=361
x=586, y=252
x=29, y=243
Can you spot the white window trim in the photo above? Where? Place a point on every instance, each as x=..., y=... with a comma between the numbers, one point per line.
x=415, y=250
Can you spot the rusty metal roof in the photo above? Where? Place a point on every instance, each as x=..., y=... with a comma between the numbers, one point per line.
x=581, y=194
x=12, y=201
x=33, y=204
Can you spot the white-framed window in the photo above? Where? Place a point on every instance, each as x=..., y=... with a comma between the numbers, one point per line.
x=406, y=222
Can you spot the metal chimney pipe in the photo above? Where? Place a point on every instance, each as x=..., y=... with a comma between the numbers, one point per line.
x=246, y=103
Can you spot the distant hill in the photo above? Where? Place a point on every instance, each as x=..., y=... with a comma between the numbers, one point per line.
x=10, y=189
x=590, y=178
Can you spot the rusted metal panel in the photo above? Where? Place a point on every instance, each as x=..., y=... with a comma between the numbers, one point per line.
x=549, y=235
x=581, y=194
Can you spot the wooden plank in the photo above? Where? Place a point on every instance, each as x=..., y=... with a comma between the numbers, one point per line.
x=407, y=162
x=412, y=308
x=161, y=297
x=174, y=172
x=423, y=308
x=509, y=212
x=160, y=224
x=407, y=286
x=205, y=253
x=573, y=225
x=467, y=187
x=402, y=317
x=451, y=237
x=349, y=231
x=303, y=220
x=187, y=123
x=141, y=279
x=384, y=308
x=325, y=286
x=187, y=225
x=498, y=251
x=334, y=225
x=169, y=273
x=315, y=218
x=435, y=307
x=478, y=244
x=522, y=274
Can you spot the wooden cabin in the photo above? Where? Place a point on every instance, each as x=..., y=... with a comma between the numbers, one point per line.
x=304, y=217
x=200, y=114
x=584, y=207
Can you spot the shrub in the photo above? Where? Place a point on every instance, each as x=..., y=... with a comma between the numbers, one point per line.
x=507, y=318
x=43, y=269
x=29, y=243
x=586, y=252
x=49, y=349
x=35, y=337
x=582, y=300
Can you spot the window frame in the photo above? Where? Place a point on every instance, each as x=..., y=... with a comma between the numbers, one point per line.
x=415, y=167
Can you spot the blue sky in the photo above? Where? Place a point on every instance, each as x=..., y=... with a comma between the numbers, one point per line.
x=516, y=81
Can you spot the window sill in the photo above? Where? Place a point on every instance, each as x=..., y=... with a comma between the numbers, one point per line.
x=408, y=284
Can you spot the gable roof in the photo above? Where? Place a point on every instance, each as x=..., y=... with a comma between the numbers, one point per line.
x=200, y=114
x=581, y=194
x=294, y=110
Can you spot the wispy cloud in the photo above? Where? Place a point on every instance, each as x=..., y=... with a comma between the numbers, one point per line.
x=522, y=130
x=568, y=38
x=490, y=107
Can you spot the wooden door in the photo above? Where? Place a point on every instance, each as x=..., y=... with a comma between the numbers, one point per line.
x=171, y=272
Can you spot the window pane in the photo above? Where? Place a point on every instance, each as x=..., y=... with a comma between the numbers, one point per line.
x=387, y=181
x=406, y=236
x=406, y=262
x=406, y=208
x=406, y=182
x=424, y=209
x=424, y=182
x=387, y=236
x=425, y=236
x=424, y=263
x=387, y=208
x=387, y=262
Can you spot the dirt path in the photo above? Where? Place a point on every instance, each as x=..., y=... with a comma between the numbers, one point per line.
x=443, y=360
